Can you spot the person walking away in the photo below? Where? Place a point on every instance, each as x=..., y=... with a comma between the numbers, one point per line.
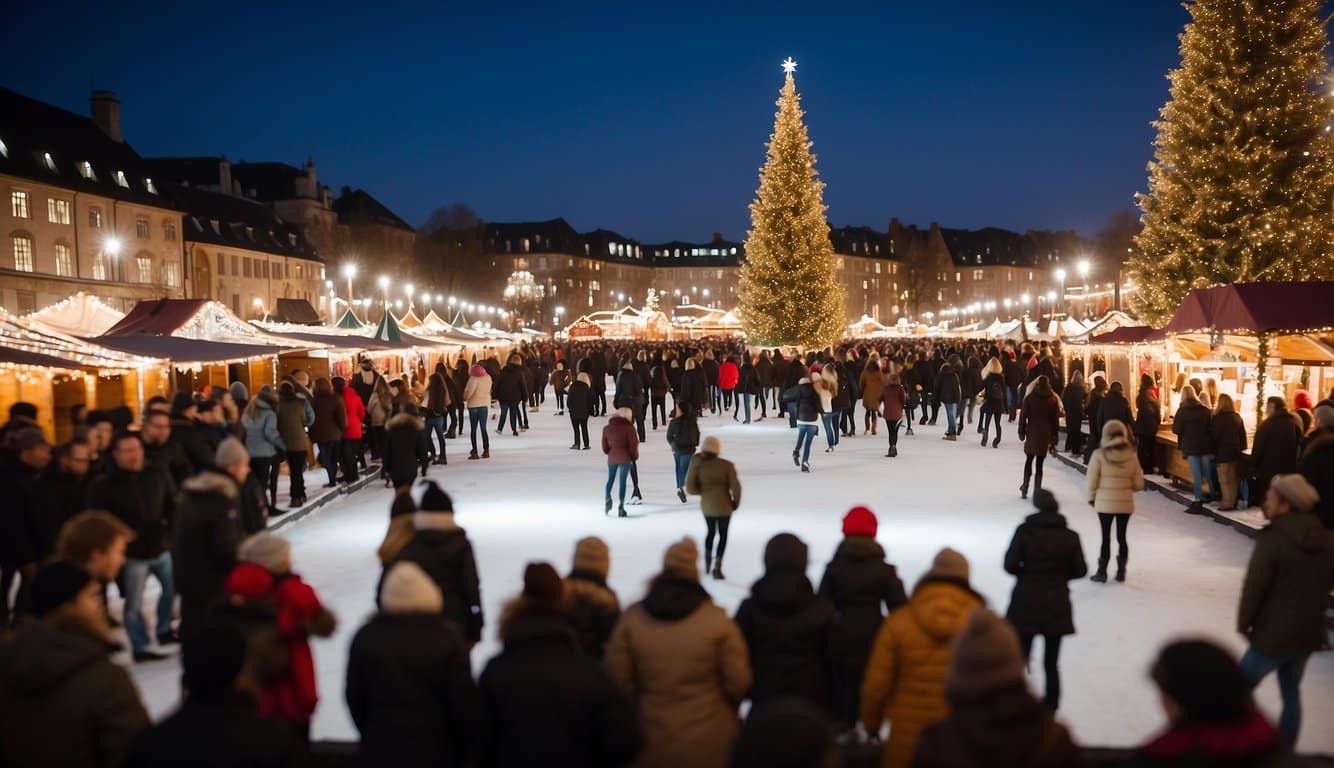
x=1014, y=379
x=379, y=407
x=620, y=443
x=630, y=394
x=1191, y=426
x=591, y=607
x=354, y=412
x=970, y=381
x=948, y=393
x=512, y=393
x=546, y=702
x=826, y=387
x=993, y=401
x=477, y=397
x=437, y=406
x=682, y=664
x=400, y=530
x=326, y=431
x=1148, y=418
x=26, y=453
x=208, y=533
x=1317, y=463
x=803, y=404
x=1285, y=595
x=872, y=384
x=862, y=588
x=263, y=442
x=1277, y=445
x=787, y=629
x=457, y=382
x=893, y=403
x=659, y=386
x=560, y=383
x=1227, y=434
x=1091, y=408
x=1072, y=398
x=714, y=480
x=1043, y=556
x=985, y=679
x=683, y=437
x=295, y=414
x=1039, y=427
x=404, y=449
x=709, y=365
x=905, y=676
x=580, y=402
x=729, y=376
x=746, y=388
x=694, y=387
x=443, y=550
x=1113, y=478
x=62, y=699
x=843, y=402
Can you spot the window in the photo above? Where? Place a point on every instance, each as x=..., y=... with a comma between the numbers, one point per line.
x=148, y=184
x=48, y=162
x=57, y=211
x=121, y=180
x=525, y=244
x=222, y=265
x=4, y=151
x=169, y=231
x=95, y=218
x=99, y=266
x=22, y=253
x=235, y=265
x=245, y=266
x=877, y=267
x=542, y=262
x=977, y=274
x=86, y=171
x=1030, y=275
x=145, y=265
x=64, y=261
x=958, y=277
x=141, y=229
x=594, y=285
x=266, y=270
x=18, y=204
x=171, y=274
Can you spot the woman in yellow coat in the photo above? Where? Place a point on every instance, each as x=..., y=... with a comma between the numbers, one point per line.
x=905, y=676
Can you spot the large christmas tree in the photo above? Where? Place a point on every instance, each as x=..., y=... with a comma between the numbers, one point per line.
x=1240, y=186
x=788, y=293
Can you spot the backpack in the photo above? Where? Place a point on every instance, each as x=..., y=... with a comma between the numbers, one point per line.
x=996, y=390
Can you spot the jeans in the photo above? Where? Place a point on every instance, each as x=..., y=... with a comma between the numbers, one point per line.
x=830, y=436
x=1051, y=654
x=435, y=425
x=296, y=475
x=477, y=418
x=1201, y=469
x=22, y=600
x=682, y=461
x=952, y=418
x=265, y=470
x=805, y=436
x=580, y=429
x=1257, y=664
x=613, y=470
x=512, y=410
x=742, y=400
x=136, y=575
x=1123, y=551
x=330, y=453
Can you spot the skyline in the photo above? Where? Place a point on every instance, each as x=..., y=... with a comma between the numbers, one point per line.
x=1024, y=118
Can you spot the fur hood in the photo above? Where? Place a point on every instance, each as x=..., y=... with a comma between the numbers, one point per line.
x=211, y=482
x=585, y=590
x=405, y=420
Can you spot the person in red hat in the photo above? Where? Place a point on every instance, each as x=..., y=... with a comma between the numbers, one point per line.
x=863, y=588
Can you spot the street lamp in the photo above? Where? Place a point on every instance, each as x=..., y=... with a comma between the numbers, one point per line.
x=408, y=289
x=1084, y=273
x=1060, y=277
x=350, y=271
x=112, y=248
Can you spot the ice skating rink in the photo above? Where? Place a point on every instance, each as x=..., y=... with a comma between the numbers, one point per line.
x=534, y=498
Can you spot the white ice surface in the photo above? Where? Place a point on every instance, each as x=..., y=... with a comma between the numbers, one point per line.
x=534, y=498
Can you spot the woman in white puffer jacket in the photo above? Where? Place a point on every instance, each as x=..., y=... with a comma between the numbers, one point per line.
x=1113, y=477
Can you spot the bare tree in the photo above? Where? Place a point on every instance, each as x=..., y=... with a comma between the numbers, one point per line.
x=921, y=276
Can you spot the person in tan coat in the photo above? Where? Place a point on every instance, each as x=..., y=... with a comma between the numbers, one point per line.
x=872, y=382
x=683, y=664
x=1113, y=477
x=905, y=676
x=713, y=479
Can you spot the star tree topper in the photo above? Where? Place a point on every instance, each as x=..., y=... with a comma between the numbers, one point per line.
x=789, y=66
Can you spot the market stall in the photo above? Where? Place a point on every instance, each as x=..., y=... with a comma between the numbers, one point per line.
x=82, y=314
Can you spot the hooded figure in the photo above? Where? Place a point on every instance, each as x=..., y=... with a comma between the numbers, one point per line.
x=1113, y=477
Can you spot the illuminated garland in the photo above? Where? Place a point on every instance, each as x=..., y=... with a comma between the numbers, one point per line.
x=1261, y=375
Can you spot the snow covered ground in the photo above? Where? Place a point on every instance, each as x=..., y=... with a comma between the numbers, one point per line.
x=535, y=498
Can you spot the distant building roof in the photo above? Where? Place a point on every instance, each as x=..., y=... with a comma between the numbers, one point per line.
x=612, y=246
x=227, y=220
x=715, y=253
x=554, y=236
x=357, y=205
x=860, y=241
x=193, y=171
x=269, y=181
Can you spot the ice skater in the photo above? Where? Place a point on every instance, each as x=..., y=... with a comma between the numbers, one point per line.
x=714, y=480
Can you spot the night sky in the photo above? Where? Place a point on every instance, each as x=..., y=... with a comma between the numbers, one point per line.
x=651, y=122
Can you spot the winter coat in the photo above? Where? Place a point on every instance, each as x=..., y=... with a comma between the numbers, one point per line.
x=1014, y=372
x=1250, y=742
x=1317, y=466
x=1043, y=555
x=1091, y=408
x=198, y=442
x=659, y=384
x=1114, y=475
x=862, y=588
x=1286, y=591
x=170, y=458
x=145, y=501
x=592, y=609
x=711, y=369
x=510, y=387
x=1227, y=434
x=748, y=382
x=1148, y=418
x=1191, y=426
x=843, y=394
x=410, y=692
x=683, y=434
x=764, y=372
x=378, y=409
x=62, y=700
x=1039, y=423
x=948, y=390
x=1004, y=728
x=299, y=615
x=56, y=497
x=714, y=480
x=893, y=400
x=221, y=732
x=262, y=439
x=787, y=630
x=1072, y=398
x=1277, y=444
x=629, y=390
x=905, y=675
x=477, y=392
x=447, y=557
x=620, y=441
x=330, y=418
x=579, y=402
x=728, y=375
x=404, y=449
x=1115, y=407
x=354, y=411
x=549, y=704
x=208, y=533
x=872, y=383
x=295, y=413
x=805, y=400
x=560, y=380
x=694, y=388
x=993, y=395
x=682, y=663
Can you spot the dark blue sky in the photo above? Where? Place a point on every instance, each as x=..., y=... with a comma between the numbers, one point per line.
x=650, y=121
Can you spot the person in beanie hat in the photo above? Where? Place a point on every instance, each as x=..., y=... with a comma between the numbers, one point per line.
x=1285, y=594
x=862, y=587
x=787, y=628
x=62, y=700
x=787, y=734
x=905, y=675
x=1043, y=556
x=683, y=665
x=548, y=703
x=714, y=480
x=592, y=608
x=1212, y=719
x=232, y=459
x=443, y=550
x=400, y=530
x=409, y=688
x=986, y=678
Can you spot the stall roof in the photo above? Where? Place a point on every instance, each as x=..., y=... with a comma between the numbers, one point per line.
x=1128, y=334
x=197, y=319
x=1255, y=307
x=82, y=314
x=297, y=311
x=349, y=320
x=25, y=343
x=186, y=350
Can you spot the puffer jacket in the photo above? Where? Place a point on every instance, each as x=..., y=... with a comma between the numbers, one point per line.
x=871, y=383
x=262, y=440
x=728, y=375
x=477, y=392
x=787, y=630
x=1039, y=423
x=354, y=414
x=1043, y=555
x=1191, y=426
x=804, y=398
x=1286, y=590
x=295, y=413
x=905, y=676
x=714, y=480
x=592, y=609
x=1114, y=473
x=620, y=441
x=893, y=399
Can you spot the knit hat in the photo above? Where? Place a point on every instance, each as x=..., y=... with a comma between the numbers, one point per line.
x=814, y=368
x=239, y=391
x=230, y=451
x=55, y=585
x=986, y=655
x=272, y=552
x=249, y=581
x=434, y=499
x=477, y=371
x=711, y=444
x=407, y=589
x=1302, y=399
x=180, y=402
x=1204, y=680
x=542, y=585
x=211, y=659
x=948, y=564
x=1324, y=416
x=682, y=559
x=402, y=505
x=1045, y=501
x=785, y=734
x=785, y=552
x=860, y=521
x=591, y=555
x=1296, y=491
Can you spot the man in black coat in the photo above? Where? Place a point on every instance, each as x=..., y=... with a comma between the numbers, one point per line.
x=442, y=549
x=208, y=534
x=1014, y=379
x=1115, y=407
x=25, y=454
x=512, y=394
x=198, y=440
x=160, y=451
x=60, y=491
x=1277, y=445
x=546, y=702
x=1317, y=463
x=630, y=394
x=694, y=387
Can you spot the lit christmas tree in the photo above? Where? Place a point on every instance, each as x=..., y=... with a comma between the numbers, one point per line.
x=1240, y=188
x=788, y=293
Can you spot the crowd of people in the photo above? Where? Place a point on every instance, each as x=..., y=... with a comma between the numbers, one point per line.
x=187, y=497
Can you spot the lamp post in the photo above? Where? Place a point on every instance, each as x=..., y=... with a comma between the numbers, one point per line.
x=1084, y=273
x=408, y=289
x=1060, y=277
x=350, y=271
x=383, y=282
x=112, y=248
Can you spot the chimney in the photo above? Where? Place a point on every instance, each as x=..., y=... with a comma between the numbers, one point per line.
x=106, y=114
x=717, y=237
x=224, y=176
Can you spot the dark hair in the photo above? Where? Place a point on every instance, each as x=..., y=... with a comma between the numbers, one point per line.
x=286, y=388
x=95, y=417
x=1204, y=680
x=124, y=435
x=155, y=400
x=339, y=384
x=1278, y=402
x=204, y=406
x=63, y=450
x=152, y=413
x=22, y=410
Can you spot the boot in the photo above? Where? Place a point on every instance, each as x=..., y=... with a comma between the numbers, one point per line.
x=450, y=435
x=893, y=451
x=1023, y=489
x=796, y=458
x=1121, y=567
x=622, y=512
x=1101, y=575
x=708, y=561
x=486, y=453
x=718, y=569
x=681, y=494
x=984, y=439
x=996, y=443
x=606, y=506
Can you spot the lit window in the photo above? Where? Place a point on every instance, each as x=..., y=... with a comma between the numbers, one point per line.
x=525, y=245
x=48, y=162
x=57, y=211
x=734, y=251
x=877, y=267
x=141, y=229
x=222, y=265
x=958, y=277
x=99, y=266
x=86, y=171
x=22, y=253
x=148, y=184
x=246, y=268
x=95, y=218
x=169, y=231
x=865, y=285
x=145, y=264
x=18, y=204
x=171, y=274
x=611, y=249
x=4, y=150
x=121, y=180
x=64, y=261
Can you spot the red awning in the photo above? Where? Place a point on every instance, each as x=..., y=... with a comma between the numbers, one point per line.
x=1128, y=334
x=156, y=318
x=1255, y=307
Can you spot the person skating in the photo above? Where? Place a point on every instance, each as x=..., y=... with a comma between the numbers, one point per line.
x=443, y=550
x=993, y=401
x=803, y=404
x=1043, y=556
x=747, y=388
x=683, y=437
x=477, y=398
x=948, y=392
x=824, y=381
x=872, y=384
x=580, y=404
x=405, y=453
x=630, y=395
x=591, y=606
x=620, y=443
x=1113, y=478
x=511, y=392
x=893, y=402
x=1039, y=426
x=560, y=382
x=714, y=480
x=729, y=375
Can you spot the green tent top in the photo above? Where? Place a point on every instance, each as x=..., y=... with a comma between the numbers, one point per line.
x=349, y=320
x=459, y=322
x=388, y=329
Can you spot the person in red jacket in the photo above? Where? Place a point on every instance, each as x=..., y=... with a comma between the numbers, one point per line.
x=356, y=415
x=728, y=376
x=620, y=442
